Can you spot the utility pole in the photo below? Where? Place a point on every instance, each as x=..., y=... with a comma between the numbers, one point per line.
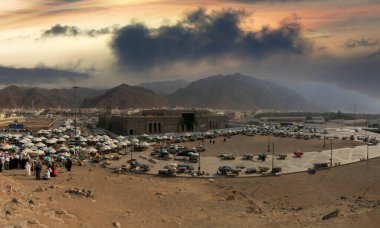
x=331, y=158
x=367, y=151
x=367, y=141
x=199, y=165
x=268, y=138
x=354, y=118
x=75, y=109
x=272, y=156
x=75, y=119
x=131, y=151
x=324, y=134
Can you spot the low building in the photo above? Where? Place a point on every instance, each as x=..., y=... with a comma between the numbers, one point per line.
x=162, y=121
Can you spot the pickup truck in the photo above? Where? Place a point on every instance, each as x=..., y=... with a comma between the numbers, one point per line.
x=228, y=171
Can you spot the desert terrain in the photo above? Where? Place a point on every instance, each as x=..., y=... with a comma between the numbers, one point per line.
x=92, y=196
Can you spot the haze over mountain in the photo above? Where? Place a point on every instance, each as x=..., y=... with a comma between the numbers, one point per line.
x=17, y=97
x=331, y=97
x=165, y=87
x=124, y=97
x=238, y=92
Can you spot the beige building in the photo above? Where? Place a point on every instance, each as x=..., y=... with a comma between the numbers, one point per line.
x=162, y=121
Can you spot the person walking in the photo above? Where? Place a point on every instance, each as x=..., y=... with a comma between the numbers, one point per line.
x=68, y=164
x=28, y=168
x=38, y=171
x=6, y=164
x=1, y=165
x=47, y=174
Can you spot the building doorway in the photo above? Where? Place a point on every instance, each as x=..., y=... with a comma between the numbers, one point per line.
x=188, y=120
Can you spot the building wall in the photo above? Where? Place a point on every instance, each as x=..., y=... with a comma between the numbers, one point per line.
x=159, y=124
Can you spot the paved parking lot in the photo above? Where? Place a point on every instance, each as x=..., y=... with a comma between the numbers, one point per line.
x=289, y=165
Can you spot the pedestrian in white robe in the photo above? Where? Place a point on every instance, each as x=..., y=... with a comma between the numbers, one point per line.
x=28, y=169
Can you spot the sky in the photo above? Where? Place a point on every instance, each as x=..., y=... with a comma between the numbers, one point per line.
x=90, y=43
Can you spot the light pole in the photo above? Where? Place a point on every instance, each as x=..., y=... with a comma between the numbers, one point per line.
x=199, y=165
x=268, y=132
x=367, y=151
x=354, y=118
x=75, y=118
x=272, y=156
x=324, y=135
x=75, y=109
x=331, y=158
x=367, y=141
x=131, y=151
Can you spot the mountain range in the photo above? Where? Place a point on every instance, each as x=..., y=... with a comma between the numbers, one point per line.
x=124, y=97
x=236, y=92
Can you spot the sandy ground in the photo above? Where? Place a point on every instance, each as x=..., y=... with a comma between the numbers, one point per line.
x=293, y=200
x=239, y=145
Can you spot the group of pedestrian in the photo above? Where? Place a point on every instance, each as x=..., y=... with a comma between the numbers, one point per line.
x=12, y=161
x=16, y=161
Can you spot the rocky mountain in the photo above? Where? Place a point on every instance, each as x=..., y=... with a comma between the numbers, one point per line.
x=125, y=96
x=238, y=92
x=331, y=97
x=165, y=87
x=17, y=97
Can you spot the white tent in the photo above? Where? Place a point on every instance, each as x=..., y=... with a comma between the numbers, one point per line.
x=145, y=144
x=51, y=150
x=6, y=147
x=39, y=152
x=27, y=151
x=38, y=139
x=40, y=144
x=61, y=139
x=105, y=148
x=123, y=143
x=92, y=150
x=51, y=141
x=64, y=149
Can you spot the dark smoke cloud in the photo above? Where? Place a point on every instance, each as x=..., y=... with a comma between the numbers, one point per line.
x=354, y=73
x=66, y=30
x=204, y=36
x=61, y=30
x=38, y=76
x=352, y=43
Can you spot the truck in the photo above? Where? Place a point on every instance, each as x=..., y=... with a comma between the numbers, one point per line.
x=228, y=171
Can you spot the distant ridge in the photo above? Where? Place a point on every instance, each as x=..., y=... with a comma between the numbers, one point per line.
x=165, y=87
x=17, y=97
x=125, y=96
x=238, y=92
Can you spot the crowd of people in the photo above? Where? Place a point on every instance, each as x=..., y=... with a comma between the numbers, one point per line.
x=46, y=164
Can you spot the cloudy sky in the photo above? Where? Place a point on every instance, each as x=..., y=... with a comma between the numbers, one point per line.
x=61, y=43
